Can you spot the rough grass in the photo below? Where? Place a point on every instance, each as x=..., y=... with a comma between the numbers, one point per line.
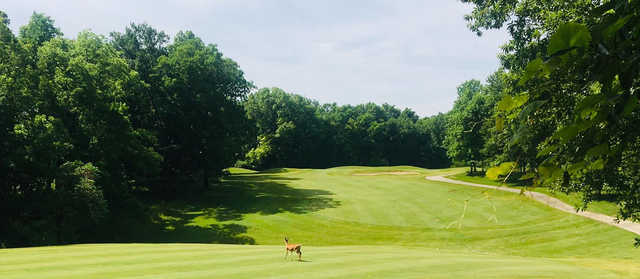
x=351, y=226
x=575, y=199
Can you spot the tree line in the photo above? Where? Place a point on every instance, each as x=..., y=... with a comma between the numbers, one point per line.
x=91, y=128
x=295, y=131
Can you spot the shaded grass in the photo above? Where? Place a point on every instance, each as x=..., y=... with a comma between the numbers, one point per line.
x=211, y=217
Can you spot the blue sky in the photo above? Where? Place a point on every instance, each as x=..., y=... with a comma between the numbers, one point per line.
x=406, y=53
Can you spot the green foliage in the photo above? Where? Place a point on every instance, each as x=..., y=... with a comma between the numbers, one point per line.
x=577, y=63
x=88, y=126
x=79, y=199
x=567, y=37
x=200, y=100
x=502, y=170
x=470, y=128
x=4, y=18
x=257, y=157
x=509, y=103
x=294, y=131
x=141, y=45
x=535, y=69
x=40, y=29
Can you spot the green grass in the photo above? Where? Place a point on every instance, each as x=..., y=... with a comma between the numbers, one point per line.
x=351, y=227
x=575, y=199
x=238, y=261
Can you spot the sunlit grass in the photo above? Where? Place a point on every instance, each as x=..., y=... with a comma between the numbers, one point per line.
x=240, y=261
x=575, y=199
x=351, y=226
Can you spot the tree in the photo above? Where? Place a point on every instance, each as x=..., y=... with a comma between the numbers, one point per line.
x=70, y=156
x=464, y=138
x=289, y=131
x=40, y=29
x=4, y=19
x=578, y=79
x=83, y=87
x=204, y=127
x=12, y=79
x=141, y=45
x=435, y=127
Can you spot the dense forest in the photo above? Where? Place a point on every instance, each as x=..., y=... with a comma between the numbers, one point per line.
x=294, y=131
x=92, y=127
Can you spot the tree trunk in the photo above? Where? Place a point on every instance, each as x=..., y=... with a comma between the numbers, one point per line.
x=59, y=220
x=205, y=174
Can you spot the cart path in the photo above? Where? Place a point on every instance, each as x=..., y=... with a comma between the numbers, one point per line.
x=553, y=202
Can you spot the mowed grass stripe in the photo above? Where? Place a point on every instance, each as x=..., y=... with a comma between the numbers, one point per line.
x=559, y=232
x=338, y=262
x=105, y=267
x=67, y=253
x=125, y=252
x=246, y=267
x=330, y=262
x=148, y=266
x=404, y=266
x=73, y=253
x=114, y=260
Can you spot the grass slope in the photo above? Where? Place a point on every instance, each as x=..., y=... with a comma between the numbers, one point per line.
x=603, y=207
x=351, y=226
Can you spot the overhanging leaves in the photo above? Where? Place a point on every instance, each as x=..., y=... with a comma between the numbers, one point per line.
x=631, y=105
x=598, y=150
x=509, y=103
x=611, y=30
x=503, y=169
x=500, y=123
x=536, y=68
x=568, y=36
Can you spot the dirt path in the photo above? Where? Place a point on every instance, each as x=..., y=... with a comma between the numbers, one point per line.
x=553, y=202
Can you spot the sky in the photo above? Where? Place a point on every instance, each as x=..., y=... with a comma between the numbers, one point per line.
x=411, y=54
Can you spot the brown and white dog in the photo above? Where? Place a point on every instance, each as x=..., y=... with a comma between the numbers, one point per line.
x=290, y=248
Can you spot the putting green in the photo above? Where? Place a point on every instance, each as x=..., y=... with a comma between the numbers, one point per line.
x=384, y=225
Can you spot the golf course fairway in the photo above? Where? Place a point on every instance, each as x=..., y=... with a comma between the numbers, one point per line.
x=353, y=222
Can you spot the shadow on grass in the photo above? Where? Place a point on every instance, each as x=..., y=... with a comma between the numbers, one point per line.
x=275, y=170
x=198, y=220
x=266, y=195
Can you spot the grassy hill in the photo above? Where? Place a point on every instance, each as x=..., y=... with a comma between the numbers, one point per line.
x=353, y=222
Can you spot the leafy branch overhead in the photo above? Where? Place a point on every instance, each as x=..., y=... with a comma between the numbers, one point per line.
x=573, y=105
